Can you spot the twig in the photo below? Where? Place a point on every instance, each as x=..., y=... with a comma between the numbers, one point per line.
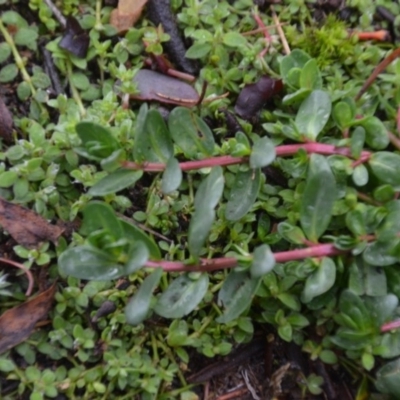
x=381, y=66
x=57, y=13
x=281, y=34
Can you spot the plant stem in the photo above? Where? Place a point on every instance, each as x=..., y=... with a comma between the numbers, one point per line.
x=281, y=151
x=74, y=92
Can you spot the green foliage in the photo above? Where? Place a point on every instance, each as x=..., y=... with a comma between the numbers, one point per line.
x=318, y=171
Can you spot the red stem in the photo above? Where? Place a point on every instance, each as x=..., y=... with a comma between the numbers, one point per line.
x=321, y=250
x=390, y=325
x=281, y=151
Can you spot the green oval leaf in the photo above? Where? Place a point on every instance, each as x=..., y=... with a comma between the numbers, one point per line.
x=86, y=262
x=138, y=256
x=236, y=295
x=198, y=50
x=243, y=194
x=172, y=176
x=133, y=233
x=138, y=307
x=310, y=77
x=199, y=228
x=263, y=153
x=152, y=139
x=318, y=198
x=97, y=215
x=263, y=261
x=388, y=378
x=386, y=166
x=320, y=281
x=182, y=296
x=234, y=39
x=313, y=114
x=98, y=141
x=376, y=135
x=190, y=133
x=210, y=190
x=116, y=181
x=360, y=175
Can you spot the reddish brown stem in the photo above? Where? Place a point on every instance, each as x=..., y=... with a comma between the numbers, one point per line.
x=381, y=66
x=390, y=325
x=379, y=36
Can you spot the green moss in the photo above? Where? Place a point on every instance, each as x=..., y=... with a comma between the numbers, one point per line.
x=327, y=43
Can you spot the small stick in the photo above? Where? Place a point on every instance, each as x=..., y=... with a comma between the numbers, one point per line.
x=281, y=34
x=381, y=66
x=379, y=36
x=57, y=13
x=398, y=120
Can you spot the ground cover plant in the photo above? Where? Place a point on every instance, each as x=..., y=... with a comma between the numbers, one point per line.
x=209, y=181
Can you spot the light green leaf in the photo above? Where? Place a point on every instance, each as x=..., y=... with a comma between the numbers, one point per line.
x=234, y=39
x=182, y=296
x=172, y=176
x=243, y=194
x=320, y=281
x=310, y=77
x=236, y=295
x=210, y=190
x=138, y=307
x=318, y=198
x=190, y=132
x=138, y=256
x=386, y=166
x=263, y=261
x=263, y=153
x=114, y=182
x=313, y=114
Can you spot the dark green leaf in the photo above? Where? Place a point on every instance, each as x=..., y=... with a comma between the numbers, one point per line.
x=318, y=198
x=139, y=305
x=313, y=114
x=291, y=233
x=236, y=295
x=263, y=261
x=98, y=141
x=116, y=181
x=378, y=254
x=366, y=279
x=172, y=176
x=391, y=343
x=386, y=166
x=182, y=296
x=296, y=97
x=243, y=194
x=376, y=134
x=133, y=233
x=138, y=256
x=388, y=378
x=99, y=215
x=86, y=262
x=190, y=132
x=8, y=73
x=320, y=281
x=152, y=139
x=199, y=228
x=262, y=153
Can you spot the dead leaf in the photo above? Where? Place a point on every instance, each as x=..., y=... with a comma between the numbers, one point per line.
x=75, y=39
x=6, y=122
x=126, y=14
x=25, y=226
x=17, y=324
x=154, y=86
x=253, y=96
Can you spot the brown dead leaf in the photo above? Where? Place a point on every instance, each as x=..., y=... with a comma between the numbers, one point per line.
x=17, y=323
x=155, y=86
x=25, y=226
x=126, y=14
x=6, y=122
